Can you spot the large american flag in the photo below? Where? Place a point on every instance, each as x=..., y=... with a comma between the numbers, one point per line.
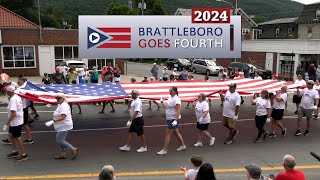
x=188, y=90
x=75, y=93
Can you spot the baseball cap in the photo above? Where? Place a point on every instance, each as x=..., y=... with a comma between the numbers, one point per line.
x=154, y=63
x=310, y=82
x=60, y=95
x=254, y=171
x=233, y=85
x=134, y=92
x=10, y=88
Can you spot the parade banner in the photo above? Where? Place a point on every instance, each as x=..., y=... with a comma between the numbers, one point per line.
x=208, y=33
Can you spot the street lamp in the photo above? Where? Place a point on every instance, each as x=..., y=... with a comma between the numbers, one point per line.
x=142, y=5
x=233, y=5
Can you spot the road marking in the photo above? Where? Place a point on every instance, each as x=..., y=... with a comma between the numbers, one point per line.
x=152, y=126
x=37, y=112
x=147, y=173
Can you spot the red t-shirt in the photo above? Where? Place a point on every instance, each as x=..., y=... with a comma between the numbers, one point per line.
x=291, y=175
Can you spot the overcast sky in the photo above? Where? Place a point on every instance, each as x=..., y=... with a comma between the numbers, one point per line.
x=307, y=1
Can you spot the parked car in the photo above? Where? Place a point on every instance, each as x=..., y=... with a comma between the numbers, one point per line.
x=178, y=63
x=264, y=73
x=206, y=66
x=64, y=66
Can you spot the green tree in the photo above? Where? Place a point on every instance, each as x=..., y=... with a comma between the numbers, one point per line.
x=259, y=19
x=120, y=9
x=25, y=8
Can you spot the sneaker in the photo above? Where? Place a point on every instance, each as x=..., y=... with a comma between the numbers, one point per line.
x=28, y=141
x=306, y=133
x=112, y=111
x=126, y=110
x=226, y=141
x=258, y=140
x=48, y=105
x=198, y=144
x=229, y=141
x=187, y=107
x=212, y=141
x=124, y=148
x=265, y=134
x=284, y=131
x=162, y=152
x=235, y=135
x=142, y=149
x=149, y=109
x=298, y=132
x=36, y=116
x=181, y=148
x=22, y=157
x=13, y=155
x=30, y=121
x=242, y=101
x=6, y=141
x=272, y=135
x=296, y=112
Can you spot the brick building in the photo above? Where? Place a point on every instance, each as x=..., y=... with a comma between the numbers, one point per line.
x=25, y=49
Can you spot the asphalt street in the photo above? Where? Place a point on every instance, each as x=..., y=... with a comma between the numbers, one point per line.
x=98, y=137
x=143, y=69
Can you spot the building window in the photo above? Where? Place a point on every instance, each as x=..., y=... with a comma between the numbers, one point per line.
x=99, y=63
x=309, y=32
x=289, y=31
x=18, y=57
x=245, y=31
x=62, y=53
x=277, y=32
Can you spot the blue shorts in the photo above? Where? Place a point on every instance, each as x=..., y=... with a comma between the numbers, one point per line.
x=169, y=124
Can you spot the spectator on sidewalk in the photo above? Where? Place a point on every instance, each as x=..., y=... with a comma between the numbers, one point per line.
x=107, y=173
x=103, y=71
x=192, y=173
x=206, y=172
x=254, y=172
x=312, y=72
x=154, y=71
x=257, y=76
x=155, y=102
x=291, y=174
x=58, y=78
x=72, y=75
x=165, y=74
x=46, y=79
x=145, y=79
x=299, y=70
x=85, y=75
x=184, y=74
x=94, y=76
x=116, y=74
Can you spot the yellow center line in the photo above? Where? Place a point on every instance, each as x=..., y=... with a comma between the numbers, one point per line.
x=147, y=173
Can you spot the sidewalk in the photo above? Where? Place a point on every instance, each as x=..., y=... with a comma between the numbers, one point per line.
x=37, y=79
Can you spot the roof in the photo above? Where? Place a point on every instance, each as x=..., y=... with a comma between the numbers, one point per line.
x=183, y=12
x=11, y=19
x=308, y=14
x=280, y=21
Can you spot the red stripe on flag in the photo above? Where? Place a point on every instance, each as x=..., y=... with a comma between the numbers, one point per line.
x=121, y=38
x=115, y=45
x=118, y=29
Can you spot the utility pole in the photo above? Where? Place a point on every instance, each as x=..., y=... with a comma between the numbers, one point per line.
x=40, y=27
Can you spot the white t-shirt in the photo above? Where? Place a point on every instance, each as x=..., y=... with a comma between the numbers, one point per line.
x=85, y=75
x=231, y=100
x=171, y=107
x=65, y=124
x=281, y=104
x=136, y=105
x=299, y=82
x=200, y=108
x=258, y=78
x=262, y=106
x=192, y=174
x=15, y=104
x=308, y=97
